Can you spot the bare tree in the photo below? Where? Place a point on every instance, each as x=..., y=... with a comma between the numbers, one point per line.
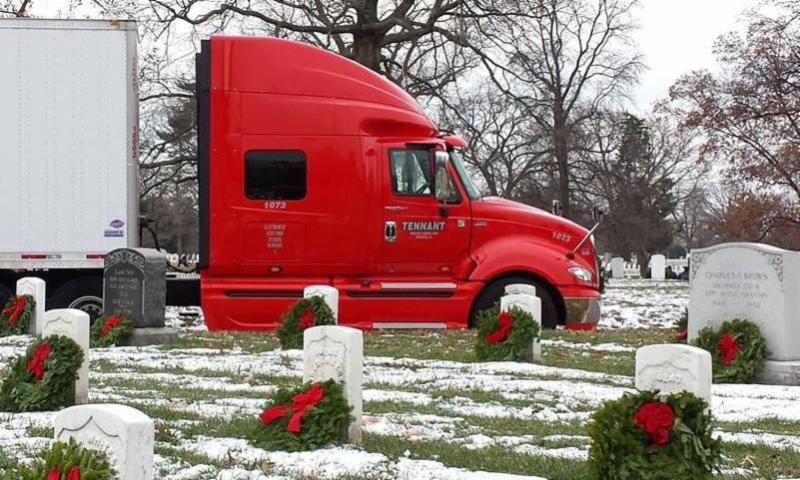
x=15, y=8
x=573, y=58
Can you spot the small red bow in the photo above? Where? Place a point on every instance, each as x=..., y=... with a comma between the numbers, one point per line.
x=16, y=309
x=300, y=405
x=728, y=346
x=55, y=474
x=503, y=329
x=306, y=319
x=36, y=363
x=655, y=418
x=111, y=322
x=682, y=335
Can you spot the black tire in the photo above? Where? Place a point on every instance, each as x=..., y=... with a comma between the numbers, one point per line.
x=82, y=293
x=5, y=294
x=492, y=292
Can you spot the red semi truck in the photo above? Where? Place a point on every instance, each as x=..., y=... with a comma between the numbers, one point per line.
x=316, y=170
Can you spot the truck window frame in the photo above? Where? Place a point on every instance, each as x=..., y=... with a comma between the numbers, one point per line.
x=249, y=159
x=393, y=178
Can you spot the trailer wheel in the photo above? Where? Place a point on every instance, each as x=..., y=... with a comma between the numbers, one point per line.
x=84, y=293
x=5, y=294
x=492, y=292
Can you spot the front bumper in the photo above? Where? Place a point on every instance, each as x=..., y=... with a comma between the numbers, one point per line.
x=582, y=313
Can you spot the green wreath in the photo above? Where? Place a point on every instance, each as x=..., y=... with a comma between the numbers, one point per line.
x=15, y=317
x=738, y=350
x=647, y=435
x=42, y=379
x=306, y=313
x=109, y=330
x=682, y=327
x=64, y=459
x=318, y=412
x=505, y=336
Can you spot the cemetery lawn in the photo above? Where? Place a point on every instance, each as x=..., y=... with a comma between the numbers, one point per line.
x=431, y=410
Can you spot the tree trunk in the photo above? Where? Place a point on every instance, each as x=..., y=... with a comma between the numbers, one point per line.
x=561, y=152
x=366, y=40
x=644, y=263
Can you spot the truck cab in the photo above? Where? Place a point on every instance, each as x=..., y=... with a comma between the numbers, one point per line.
x=316, y=170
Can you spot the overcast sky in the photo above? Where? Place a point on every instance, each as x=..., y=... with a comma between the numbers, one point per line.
x=676, y=37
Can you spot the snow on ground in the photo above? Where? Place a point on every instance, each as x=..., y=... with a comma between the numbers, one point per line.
x=189, y=391
x=634, y=303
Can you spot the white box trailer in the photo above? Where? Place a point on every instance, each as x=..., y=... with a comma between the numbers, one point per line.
x=68, y=153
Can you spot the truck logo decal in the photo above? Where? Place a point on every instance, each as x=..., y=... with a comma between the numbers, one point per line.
x=423, y=226
x=117, y=224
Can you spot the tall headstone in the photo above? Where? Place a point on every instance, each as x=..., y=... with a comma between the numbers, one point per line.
x=332, y=352
x=617, y=267
x=328, y=293
x=125, y=434
x=673, y=368
x=658, y=267
x=36, y=288
x=755, y=282
x=73, y=324
x=135, y=285
x=524, y=297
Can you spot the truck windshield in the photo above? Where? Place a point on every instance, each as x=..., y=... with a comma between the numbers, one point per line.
x=472, y=192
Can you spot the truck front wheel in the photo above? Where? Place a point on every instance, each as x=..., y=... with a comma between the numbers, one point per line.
x=83, y=293
x=492, y=292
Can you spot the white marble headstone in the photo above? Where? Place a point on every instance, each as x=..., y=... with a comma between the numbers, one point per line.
x=617, y=267
x=332, y=352
x=328, y=293
x=73, y=324
x=36, y=288
x=658, y=267
x=749, y=281
x=673, y=368
x=124, y=433
x=526, y=302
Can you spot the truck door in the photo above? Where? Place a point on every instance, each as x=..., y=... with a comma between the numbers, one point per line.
x=421, y=237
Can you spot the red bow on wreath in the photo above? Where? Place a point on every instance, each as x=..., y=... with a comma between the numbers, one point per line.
x=55, y=474
x=300, y=405
x=728, y=346
x=111, y=322
x=682, y=335
x=306, y=319
x=503, y=329
x=15, y=310
x=655, y=418
x=36, y=363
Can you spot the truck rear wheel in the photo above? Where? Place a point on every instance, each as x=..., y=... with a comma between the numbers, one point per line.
x=492, y=292
x=83, y=293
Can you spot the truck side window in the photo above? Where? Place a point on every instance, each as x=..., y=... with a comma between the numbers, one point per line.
x=411, y=172
x=275, y=175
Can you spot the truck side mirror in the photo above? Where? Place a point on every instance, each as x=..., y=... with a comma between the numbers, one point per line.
x=442, y=177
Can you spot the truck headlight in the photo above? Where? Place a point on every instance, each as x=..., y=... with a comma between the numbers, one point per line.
x=581, y=274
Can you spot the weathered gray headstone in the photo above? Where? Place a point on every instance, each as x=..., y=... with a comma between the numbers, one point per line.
x=332, y=352
x=750, y=281
x=328, y=293
x=135, y=285
x=125, y=434
x=617, y=267
x=658, y=267
x=73, y=324
x=36, y=288
x=673, y=368
x=524, y=297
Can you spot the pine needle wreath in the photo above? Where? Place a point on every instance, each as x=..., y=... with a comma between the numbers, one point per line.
x=110, y=330
x=324, y=419
x=65, y=461
x=499, y=341
x=738, y=350
x=15, y=317
x=306, y=313
x=648, y=435
x=42, y=379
